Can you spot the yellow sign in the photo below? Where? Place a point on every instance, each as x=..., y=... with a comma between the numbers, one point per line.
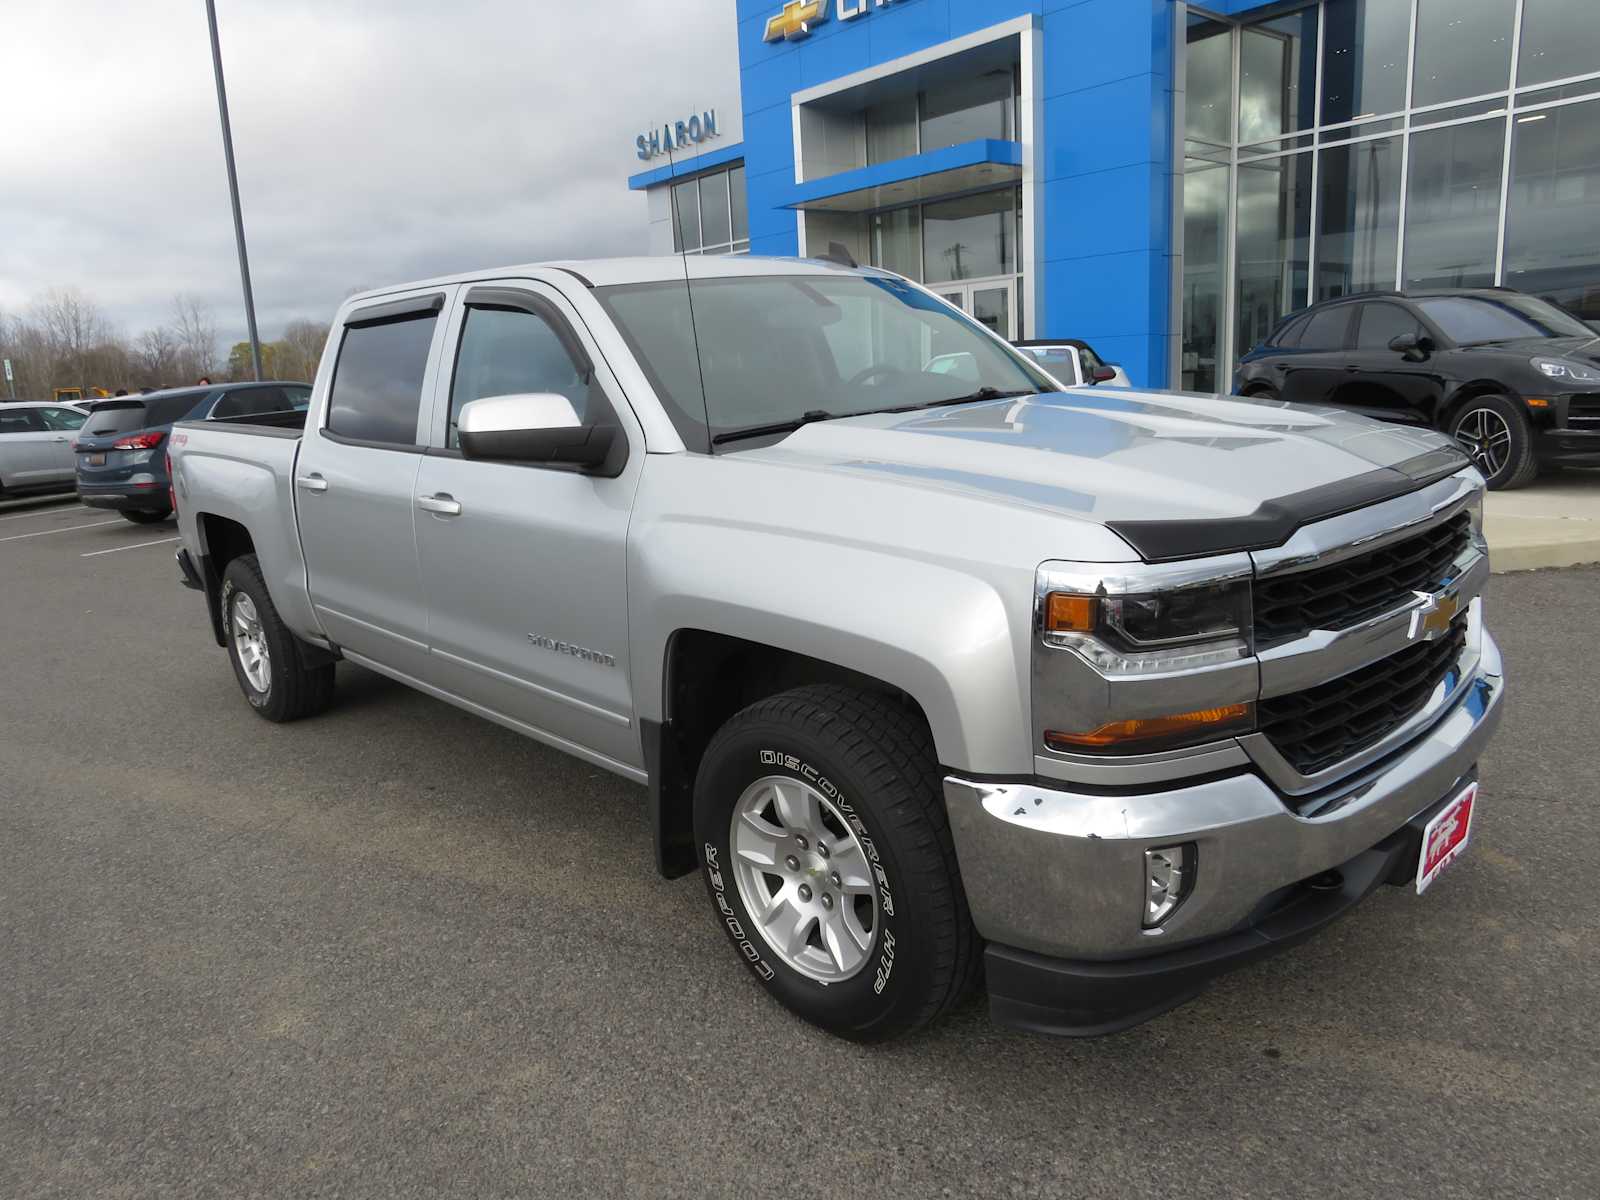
x=796, y=19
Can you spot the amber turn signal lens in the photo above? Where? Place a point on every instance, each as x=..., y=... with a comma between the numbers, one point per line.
x=1149, y=729
x=1536, y=401
x=1067, y=613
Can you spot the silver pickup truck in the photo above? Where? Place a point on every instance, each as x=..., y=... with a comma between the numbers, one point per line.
x=929, y=673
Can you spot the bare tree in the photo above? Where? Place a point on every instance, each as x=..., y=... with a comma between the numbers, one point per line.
x=158, y=358
x=71, y=327
x=298, y=351
x=196, y=332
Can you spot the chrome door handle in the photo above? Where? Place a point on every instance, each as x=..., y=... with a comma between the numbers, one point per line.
x=59, y=439
x=442, y=503
x=312, y=483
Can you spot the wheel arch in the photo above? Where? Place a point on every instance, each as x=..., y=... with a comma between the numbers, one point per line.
x=1471, y=390
x=222, y=540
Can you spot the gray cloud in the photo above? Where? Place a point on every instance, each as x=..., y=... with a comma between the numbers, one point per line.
x=377, y=141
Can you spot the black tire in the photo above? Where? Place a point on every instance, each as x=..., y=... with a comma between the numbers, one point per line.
x=1260, y=391
x=1508, y=465
x=294, y=690
x=873, y=758
x=141, y=516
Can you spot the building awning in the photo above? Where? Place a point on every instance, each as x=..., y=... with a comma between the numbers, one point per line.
x=688, y=164
x=987, y=162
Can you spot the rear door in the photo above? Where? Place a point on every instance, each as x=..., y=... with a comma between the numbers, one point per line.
x=524, y=565
x=1313, y=371
x=27, y=451
x=64, y=424
x=355, y=482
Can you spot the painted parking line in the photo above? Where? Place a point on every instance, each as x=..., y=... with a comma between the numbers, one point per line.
x=17, y=537
x=40, y=510
x=135, y=546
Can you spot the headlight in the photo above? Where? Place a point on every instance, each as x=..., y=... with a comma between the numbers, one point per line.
x=1147, y=632
x=1566, y=370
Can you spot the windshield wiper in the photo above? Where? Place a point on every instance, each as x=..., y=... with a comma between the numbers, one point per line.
x=983, y=393
x=750, y=431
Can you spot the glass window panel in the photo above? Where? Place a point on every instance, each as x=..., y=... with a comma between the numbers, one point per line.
x=1560, y=38
x=714, y=229
x=1478, y=108
x=1277, y=76
x=1208, y=98
x=1205, y=213
x=892, y=129
x=964, y=110
x=1327, y=329
x=971, y=237
x=686, y=204
x=898, y=241
x=1553, y=212
x=505, y=351
x=1273, y=244
x=377, y=381
x=1380, y=323
x=741, y=212
x=1358, y=217
x=1453, y=205
x=1463, y=49
x=1363, y=58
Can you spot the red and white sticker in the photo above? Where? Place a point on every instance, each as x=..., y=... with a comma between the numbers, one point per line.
x=1446, y=837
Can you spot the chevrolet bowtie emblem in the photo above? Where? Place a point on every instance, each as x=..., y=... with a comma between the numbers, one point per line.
x=796, y=19
x=1431, y=619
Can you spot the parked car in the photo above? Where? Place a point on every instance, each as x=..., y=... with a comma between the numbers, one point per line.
x=1512, y=378
x=1073, y=362
x=121, y=450
x=1109, y=692
x=36, y=447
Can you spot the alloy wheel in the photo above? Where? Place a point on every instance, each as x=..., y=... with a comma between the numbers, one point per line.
x=250, y=641
x=1486, y=437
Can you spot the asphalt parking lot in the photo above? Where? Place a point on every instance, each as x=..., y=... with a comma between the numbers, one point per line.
x=399, y=951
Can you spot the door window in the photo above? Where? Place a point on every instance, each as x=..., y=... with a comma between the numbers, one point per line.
x=506, y=351
x=20, y=420
x=1326, y=329
x=377, y=382
x=1382, y=322
x=61, y=418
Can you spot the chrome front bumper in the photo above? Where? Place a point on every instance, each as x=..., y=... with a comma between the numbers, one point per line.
x=1061, y=872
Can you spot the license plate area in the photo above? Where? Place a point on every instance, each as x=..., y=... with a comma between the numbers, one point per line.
x=94, y=460
x=1444, y=838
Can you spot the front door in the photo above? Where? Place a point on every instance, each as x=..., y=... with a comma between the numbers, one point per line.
x=355, y=485
x=992, y=302
x=525, y=565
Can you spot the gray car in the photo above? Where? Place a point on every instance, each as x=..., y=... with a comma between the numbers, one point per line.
x=36, y=447
x=1102, y=691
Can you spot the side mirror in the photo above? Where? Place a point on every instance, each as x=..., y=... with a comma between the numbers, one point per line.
x=1102, y=374
x=532, y=427
x=1415, y=347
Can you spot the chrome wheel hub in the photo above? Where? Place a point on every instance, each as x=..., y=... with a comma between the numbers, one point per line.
x=1485, y=436
x=250, y=641
x=804, y=878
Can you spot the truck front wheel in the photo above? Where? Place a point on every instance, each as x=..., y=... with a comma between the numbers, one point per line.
x=822, y=834
x=267, y=658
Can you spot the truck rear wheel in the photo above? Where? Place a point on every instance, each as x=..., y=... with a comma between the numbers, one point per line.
x=267, y=659
x=822, y=834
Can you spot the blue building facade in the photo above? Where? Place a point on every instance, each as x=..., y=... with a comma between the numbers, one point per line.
x=1165, y=180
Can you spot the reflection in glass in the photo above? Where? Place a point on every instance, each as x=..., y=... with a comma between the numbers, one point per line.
x=1463, y=49
x=898, y=241
x=740, y=205
x=1560, y=38
x=1277, y=76
x=971, y=237
x=686, y=206
x=714, y=229
x=1358, y=217
x=1363, y=58
x=892, y=129
x=1453, y=205
x=1208, y=97
x=1205, y=211
x=992, y=307
x=1273, y=243
x=963, y=110
x=1553, y=214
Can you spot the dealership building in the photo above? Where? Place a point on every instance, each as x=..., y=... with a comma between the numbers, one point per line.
x=1164, y=180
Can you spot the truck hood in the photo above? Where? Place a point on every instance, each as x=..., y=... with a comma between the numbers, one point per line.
x=1209, y=468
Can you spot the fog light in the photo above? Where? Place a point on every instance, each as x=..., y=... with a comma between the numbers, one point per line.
x=1168, y=879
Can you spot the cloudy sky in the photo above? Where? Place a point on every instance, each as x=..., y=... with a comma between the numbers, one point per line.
x=377, y=141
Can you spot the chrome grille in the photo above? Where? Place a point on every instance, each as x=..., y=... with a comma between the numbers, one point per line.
x=1322, y=725
x=1348, y=592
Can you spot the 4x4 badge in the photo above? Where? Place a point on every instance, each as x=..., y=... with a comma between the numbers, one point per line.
x=1431, y=619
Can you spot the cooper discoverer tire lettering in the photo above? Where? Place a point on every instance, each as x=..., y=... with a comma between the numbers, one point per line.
x=820, y=822
x=267, y=659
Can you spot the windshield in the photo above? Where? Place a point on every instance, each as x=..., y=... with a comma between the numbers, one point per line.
x=776, y=349
x=1470, y=319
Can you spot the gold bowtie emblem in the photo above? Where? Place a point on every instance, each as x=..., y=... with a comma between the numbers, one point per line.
x=796, y=19
x=1433, y=618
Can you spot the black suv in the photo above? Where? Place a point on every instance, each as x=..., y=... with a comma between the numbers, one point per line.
x=1514, y=379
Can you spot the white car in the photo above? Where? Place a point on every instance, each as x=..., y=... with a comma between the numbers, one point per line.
x=36, y=447
x=1073, y=362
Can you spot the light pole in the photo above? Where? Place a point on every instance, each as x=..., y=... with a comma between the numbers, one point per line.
x=233, y=190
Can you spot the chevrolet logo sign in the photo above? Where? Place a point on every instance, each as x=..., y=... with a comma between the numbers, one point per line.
x=1431, y=619
x=796, y=19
